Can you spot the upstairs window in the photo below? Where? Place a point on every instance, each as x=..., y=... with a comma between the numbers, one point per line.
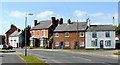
x=67, y=34
x=56, y=34
x=38, y=32
x=94, y=35
x=32, y=33
x=81, y=34
x=43, y=32
x=107, y=34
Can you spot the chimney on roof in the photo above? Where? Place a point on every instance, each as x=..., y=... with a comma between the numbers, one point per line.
x=35, y=22
x=60, y=21
x=88, y=21
x=113, y=21
x=53, y=20
x=69, y=21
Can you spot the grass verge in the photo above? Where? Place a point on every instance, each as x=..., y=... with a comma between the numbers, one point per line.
x=117, y=53
x=31, y=60
x=7, y=51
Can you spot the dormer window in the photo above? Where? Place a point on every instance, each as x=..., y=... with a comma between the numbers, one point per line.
x=67, y=34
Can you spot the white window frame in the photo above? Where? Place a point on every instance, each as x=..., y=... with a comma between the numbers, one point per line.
x=56, y=44
x=67, y=44
x=81, y=33
x=93, y=34
x=43, y=32
x=107, y=42
x=107, y=34
x=93, y=43
x=38, y=32
x=56, y=34
x=82, y=44
x=66, y=33
x=32, y=32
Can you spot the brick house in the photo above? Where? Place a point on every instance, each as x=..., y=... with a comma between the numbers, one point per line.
x=70, y=35
x=42, y=31
x=12, y=29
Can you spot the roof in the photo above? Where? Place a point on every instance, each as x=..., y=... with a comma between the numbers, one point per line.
x=101, y=28
x=43, y=25
x=71, y=27
x=16, y=33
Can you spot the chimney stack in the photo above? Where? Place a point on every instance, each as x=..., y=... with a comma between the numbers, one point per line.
x=88, y=22
x=60, y=21
x=52, y=20
x=35, y=22
x=113, y=20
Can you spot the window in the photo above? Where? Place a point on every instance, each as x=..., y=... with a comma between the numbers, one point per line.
x=107, y=34
x=94, y=43
x=56, y=34
x=81, y=34
x=94, y=35
x=43, y=32
x=81, y=44
x=32, y=33
x=108, y=43
x=66, y=34
x=67, y=44
x=38, y=32
x=56, y=44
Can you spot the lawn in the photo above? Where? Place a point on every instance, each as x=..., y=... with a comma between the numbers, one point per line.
x=117, y=53
x=6, y=51
x=31, y=60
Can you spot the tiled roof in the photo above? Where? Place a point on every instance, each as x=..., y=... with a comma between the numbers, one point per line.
x=71, y=27
x=16, y=33
x=43, y=25
x=101, y=28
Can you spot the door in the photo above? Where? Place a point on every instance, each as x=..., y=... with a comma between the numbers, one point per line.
x=101, y=44
x=61, y=45
x=76, y=45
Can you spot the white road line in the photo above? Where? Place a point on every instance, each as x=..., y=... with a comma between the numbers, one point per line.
x=82, y=58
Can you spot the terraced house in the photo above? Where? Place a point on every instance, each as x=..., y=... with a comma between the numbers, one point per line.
x=70, y=35
x=100, y=36
x=42, y=32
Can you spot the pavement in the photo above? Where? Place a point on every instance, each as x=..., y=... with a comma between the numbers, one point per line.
x=11, y=59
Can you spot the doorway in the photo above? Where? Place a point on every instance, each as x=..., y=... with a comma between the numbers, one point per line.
x=101, y=44
x=76, y=45
x=61, y=45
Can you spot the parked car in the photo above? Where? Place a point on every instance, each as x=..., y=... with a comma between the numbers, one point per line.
x=7, y=47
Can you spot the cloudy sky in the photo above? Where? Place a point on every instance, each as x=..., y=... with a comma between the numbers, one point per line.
x=98, y=12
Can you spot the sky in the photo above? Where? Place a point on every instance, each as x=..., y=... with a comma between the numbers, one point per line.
x=98, y=12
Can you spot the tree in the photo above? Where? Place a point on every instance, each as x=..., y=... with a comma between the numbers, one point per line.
x=28, y=35
x=118, y=30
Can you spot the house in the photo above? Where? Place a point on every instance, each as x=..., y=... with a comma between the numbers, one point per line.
x=2, y=39
x=15, y=38
x=70, y=35
x=42, y=32
x=100, y=37
x=12, y=29
x=117, y=41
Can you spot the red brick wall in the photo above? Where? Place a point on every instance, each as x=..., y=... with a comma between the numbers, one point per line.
x=73, y=37
x=40, y=33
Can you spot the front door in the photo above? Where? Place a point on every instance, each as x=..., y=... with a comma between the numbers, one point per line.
x=61, y=45
x=76, y=45
x=101, y=44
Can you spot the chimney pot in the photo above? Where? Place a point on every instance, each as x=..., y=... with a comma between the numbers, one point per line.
x=35, y=22
x=61, y=21
x=52, y=20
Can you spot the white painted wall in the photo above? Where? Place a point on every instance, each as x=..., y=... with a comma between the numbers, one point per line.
x=100, y=36
x=14, y=43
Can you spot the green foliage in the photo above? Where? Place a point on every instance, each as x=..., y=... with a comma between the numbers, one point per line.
x=118, y=29
x=27, y=29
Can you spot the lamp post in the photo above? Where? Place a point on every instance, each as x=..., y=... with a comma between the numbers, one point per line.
x=26, y=33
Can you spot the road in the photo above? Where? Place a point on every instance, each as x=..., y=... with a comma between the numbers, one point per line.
x=59, y=57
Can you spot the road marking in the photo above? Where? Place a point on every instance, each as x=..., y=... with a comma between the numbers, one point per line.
x=82, y=58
